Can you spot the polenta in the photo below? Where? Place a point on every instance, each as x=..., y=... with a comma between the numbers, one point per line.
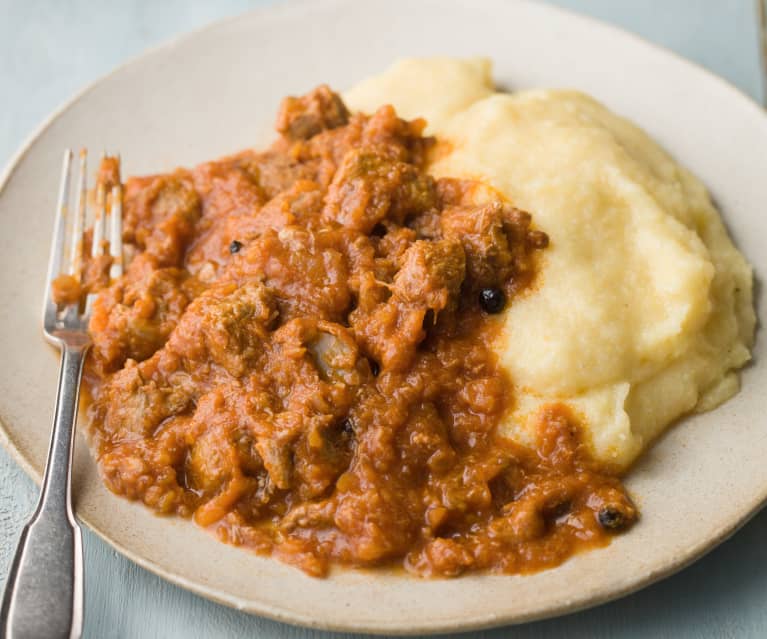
x=643, y=308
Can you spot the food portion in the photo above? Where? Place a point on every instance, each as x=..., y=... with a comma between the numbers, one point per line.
x=431, y=343
x=642, y=308
x=300, y=356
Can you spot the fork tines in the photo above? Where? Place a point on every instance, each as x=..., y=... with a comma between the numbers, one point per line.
x=67, y=258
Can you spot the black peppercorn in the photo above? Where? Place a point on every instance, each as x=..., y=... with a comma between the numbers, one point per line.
x=610, y=518
x=235, y=247
x=374, y=367
x=492, y=300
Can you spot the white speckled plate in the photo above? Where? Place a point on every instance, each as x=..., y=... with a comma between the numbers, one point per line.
x=216, y=91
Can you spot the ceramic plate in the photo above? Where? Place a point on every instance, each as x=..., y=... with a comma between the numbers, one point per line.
x=217, y=91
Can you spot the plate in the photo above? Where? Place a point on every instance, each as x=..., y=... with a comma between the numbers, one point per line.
x=216, y=91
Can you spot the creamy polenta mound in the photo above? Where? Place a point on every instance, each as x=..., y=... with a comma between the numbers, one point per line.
x=642, y=311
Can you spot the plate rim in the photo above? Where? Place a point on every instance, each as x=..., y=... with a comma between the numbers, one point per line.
x=448, y=624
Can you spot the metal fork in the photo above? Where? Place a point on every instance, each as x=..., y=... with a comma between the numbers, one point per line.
x=44, y=593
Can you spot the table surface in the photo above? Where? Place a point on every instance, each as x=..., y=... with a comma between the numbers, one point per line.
x=49, y=49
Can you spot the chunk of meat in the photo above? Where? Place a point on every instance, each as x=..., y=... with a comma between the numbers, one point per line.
x=443, y=557
x=147, y=471
x=399, y=138
x=134, y=317
x=133, y=403
x=211, y=461
x=429, y=280
x=306, y=272
x=324, y=369
x=278, y=169
x=321, y=155
x=295, y=205
x=423, y=441
x=226, y=188
x=496, y=236
x=431, y=274
x=160, y=213
x=387, y=529
x=369, y=188
x=390, y=333
x=304, y=117
x=480, y=229
x=221, y=449
x=225, y=465
x=226, y=325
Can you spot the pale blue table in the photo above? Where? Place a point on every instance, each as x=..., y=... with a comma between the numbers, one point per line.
x=50, y=48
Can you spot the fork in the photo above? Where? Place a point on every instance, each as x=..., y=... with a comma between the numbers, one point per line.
x=44, y=592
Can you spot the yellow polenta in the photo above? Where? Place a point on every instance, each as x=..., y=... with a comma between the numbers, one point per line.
x=642, y=310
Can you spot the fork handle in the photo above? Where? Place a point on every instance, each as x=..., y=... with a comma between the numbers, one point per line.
x=44, y=592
